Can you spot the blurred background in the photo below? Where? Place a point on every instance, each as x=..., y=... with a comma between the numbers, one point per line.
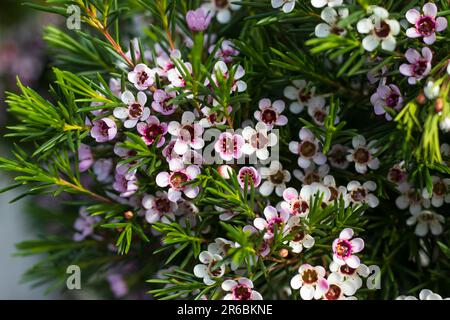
x=23, y=55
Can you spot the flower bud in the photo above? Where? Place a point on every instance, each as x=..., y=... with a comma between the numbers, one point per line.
x=224, y=171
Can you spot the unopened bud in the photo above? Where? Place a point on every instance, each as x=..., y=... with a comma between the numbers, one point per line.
x=128, y=215
x=421, y=99
x=439, y=105
x=284, y=253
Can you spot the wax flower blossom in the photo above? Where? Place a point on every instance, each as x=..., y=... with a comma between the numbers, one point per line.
x=301, y=240
x=161, y=102
x=226, y=52
x=307, y=149
x=426, y=221
x=411, y=198
x=142, y=76
x=431, y=90
x=312, y=174
x=323, y=3
x=337, y=156
x=300, y=93
x=241, y=289
x=360, y=194
x=338, y=289
x=363, y=154
x=229, y=146
x=273, y=221
x=345, y=247
x=198, y=20
x=187, y=133
x=286, y=5
x=318, y=111
x=387, y=97
x=440, y=193
x=351, y=277
x=152, y=130
x=208, y=269
x=298, y=203
x=270, y=113
x=104, y=130
x=427, y=24
x=85, y=157
x=125, y=183
x=258, y=141
x=176, y=180
x=102, y=169
x=221, y=9
x=251, y=175
x=419, y=64
x=159, y=207
x=84, y=225
x=176, y=77
x=221, y=71
x=425, y=294
x=310, y=280
x=330, y=25
x=276, y=179
x=379, y=29
x=135, y=110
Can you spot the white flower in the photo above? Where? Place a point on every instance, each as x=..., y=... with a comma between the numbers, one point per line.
x=426, y=220
x=300, y=241
x=187, y=133
x=221, y=9
x=360, y=194
x=351, y=277
x=176, y=77
x=135, y=111
x=312, y=174
x=258, y=140
x=323, y=3
x=331, y=18
x=221, y=70
x=425, y=294
x=338, y=288
x=307, y=149
x=310, y=281
x=298, y=203
x=208, y=269
x=411, y=198
x=318, y=111
x=431, y=90
x=287, y=5
x=142, y=77
x=242, y=289
x=362, y=154
x=276, y=179
x=379, y=29
x=301, y=93
x=440, y=193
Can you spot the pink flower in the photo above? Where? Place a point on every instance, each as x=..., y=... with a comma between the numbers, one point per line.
x=85, y=158
x=102, y=169
x=118, y=285
x=386, y=96
x=84, y=225
x=270, y=113
x=307, y=149
x=152, y=130
x=273, y=220
x=310, y=280
x=345, y=247
x=125, y=183
x=419, y=65
x=242, y=289
x=176, y=180
x=142, y=77
x=135, y=110
x=360, y=194
x=161, y=101
x=252, y=175
x=225, y=52
x=187, y=133
x=159, y=207
x=229, y=146
x=198, y=20
x=104, y=130
x=425, y=25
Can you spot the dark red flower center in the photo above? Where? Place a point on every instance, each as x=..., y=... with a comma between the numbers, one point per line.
x=343, y=248
x=178, y=178
x=358, y=194
x=310, y=276
x=382, y=30
x=362, y=155
x=333, y=293
x=269, y=116
x=242, y=292
x=308, y=149
x=426, y=25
